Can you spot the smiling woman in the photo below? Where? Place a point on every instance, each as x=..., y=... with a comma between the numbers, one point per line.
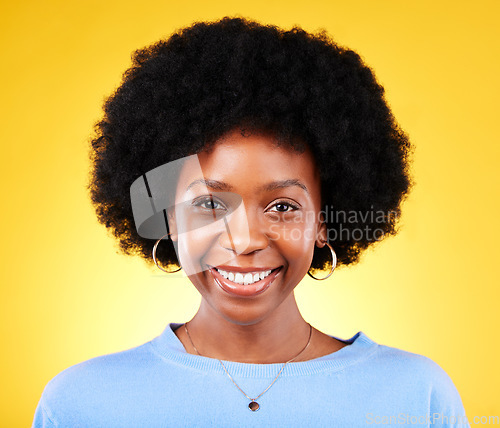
x=239, y=148
x=246, y=269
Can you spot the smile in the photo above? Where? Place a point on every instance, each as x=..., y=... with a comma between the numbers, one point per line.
x=244, y=278
x=244, y=283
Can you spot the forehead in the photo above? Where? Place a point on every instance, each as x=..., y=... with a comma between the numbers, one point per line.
x=246, y=161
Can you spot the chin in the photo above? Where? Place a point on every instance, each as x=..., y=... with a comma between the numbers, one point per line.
x=242, y=312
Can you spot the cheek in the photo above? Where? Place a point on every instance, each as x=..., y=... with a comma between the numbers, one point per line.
x=295, y=241
x=193, y=246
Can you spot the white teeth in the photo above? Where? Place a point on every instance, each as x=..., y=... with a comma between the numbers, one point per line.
x=244, y=279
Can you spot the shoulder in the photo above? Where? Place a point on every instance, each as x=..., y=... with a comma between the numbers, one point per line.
x=418, y=373
x=392, y=365
x=401, y=362
x=100, y=368
x=74, y=390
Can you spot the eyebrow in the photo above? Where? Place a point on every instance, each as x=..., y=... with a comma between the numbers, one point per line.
x=220, y=185
x=212, y=184
x=281, y=184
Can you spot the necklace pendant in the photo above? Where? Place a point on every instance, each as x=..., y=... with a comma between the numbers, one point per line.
x=253, y=406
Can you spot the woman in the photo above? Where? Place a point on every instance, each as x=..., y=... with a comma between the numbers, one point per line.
x=252, y=156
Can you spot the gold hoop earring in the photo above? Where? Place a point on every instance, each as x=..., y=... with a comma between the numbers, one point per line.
x=334, y=264
x=154, y=256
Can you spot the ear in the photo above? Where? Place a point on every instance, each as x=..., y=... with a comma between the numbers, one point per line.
x=321, y=236
x=172, y=224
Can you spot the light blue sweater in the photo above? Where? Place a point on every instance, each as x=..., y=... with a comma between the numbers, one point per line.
x=159, y=384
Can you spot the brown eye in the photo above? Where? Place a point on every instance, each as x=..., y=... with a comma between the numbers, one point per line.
x=209, y=203
x=284, y=207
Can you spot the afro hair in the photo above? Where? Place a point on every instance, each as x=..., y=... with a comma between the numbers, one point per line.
x=182, y=94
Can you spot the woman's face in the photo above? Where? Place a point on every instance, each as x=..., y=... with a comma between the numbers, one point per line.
x=246, y=223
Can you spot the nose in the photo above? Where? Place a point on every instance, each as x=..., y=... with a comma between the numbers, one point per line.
x=243, y=233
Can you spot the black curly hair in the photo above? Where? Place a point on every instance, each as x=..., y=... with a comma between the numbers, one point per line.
x=182, y=94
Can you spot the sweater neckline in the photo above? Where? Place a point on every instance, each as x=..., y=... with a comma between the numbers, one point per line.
x=359, y=347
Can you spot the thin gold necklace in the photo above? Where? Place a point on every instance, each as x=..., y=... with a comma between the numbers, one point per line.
x=253, y=405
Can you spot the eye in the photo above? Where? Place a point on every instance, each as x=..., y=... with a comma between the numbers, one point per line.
x=209, y=203
x=283, y=207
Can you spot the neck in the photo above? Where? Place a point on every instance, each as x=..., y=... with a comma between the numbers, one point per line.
x=275, y=339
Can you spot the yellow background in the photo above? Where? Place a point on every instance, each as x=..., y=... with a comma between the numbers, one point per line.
x=67, y=295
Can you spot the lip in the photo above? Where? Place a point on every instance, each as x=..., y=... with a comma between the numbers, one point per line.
x=244, y=290
x=243, y=269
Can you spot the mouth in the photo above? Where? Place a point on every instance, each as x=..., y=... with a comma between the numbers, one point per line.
x=246, y=282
